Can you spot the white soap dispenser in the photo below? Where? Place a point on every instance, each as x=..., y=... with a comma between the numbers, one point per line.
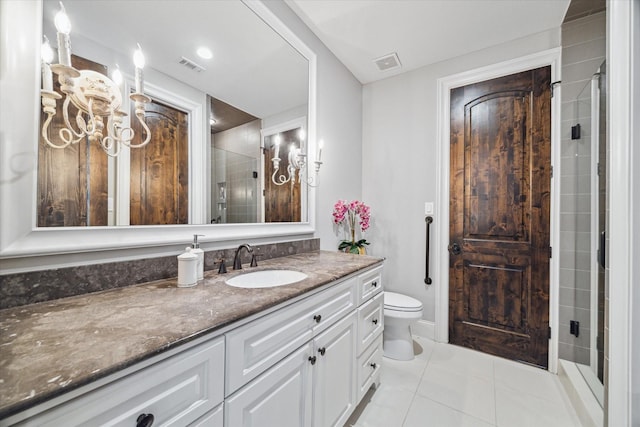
x=195, y=249
x=187, y=272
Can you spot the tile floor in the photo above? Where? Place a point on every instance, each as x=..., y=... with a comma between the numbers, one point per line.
x=447, y=385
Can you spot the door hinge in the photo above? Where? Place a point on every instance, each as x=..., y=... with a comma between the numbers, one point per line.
x=549, y=332
x=551, y=171
x=550, y=252
x=553, y=85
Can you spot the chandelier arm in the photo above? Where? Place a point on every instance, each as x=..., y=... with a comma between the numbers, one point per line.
x=281, y=179
x=120, y=131
x=140, y=116
x=107, y=143
x=45, y=133
x=67, y=123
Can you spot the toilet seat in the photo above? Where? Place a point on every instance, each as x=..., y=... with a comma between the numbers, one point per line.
x=399, y=302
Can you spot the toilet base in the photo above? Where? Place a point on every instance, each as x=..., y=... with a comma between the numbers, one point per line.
x=397, y=342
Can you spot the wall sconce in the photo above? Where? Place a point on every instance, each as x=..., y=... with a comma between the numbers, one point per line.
x=92, y=93
x=297, y=162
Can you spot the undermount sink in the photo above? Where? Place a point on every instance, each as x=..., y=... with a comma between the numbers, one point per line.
x=266, y=279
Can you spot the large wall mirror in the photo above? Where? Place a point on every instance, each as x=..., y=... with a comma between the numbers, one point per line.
x=216, y=74
x=204, y=169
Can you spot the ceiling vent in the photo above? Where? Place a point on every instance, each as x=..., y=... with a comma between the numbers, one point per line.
x=191, y=65
x=388, y=62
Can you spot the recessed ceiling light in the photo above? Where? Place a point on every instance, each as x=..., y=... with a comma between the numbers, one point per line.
x=204, y=52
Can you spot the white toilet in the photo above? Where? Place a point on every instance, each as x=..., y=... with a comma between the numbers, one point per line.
x=400, y=311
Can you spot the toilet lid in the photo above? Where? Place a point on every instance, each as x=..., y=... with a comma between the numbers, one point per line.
x=401, y=302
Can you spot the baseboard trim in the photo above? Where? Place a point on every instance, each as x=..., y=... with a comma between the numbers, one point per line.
x=424, y=329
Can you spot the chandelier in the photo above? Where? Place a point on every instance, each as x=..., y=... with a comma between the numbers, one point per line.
x=93, y=94
x=297, y=162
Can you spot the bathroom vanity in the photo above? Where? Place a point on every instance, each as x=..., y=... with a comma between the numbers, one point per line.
x=302, y=354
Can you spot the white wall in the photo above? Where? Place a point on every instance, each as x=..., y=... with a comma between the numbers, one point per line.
x=399, y=161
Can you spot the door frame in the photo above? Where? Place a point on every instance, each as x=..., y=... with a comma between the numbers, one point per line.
x=441, y=256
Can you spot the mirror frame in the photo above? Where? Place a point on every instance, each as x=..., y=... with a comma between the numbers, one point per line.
x=21, y=240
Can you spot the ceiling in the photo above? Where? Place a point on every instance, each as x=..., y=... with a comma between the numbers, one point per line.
x=421, y=32
x=253, y=68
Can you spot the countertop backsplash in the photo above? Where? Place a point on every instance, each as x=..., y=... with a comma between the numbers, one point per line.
x=39, y=286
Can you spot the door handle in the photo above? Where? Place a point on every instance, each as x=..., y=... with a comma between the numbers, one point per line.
x=455, y=248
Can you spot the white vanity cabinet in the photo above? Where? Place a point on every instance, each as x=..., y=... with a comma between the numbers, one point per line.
x=173, y=392
x=309, y=364
x=305, y=364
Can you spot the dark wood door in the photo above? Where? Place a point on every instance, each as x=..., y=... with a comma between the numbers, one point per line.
x=72, y=181
x=282, y=203
x=499, y=216
x=160, y=170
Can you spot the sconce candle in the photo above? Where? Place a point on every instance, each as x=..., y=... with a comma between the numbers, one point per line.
x=63, y=26
x=47, y=56
x=320, y=145
x=277, y=142
x=138, y=61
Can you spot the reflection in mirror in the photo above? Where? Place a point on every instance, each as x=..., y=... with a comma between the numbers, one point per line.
x=282, y=182
x=205, y=117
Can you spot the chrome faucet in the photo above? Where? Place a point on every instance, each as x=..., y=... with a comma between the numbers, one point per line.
x=237, y=261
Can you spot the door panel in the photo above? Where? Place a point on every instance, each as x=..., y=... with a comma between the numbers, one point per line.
x=160, y=170
x=499, y=216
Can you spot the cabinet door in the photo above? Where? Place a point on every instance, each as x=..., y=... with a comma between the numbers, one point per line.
x=334, y=374
x=280, y=397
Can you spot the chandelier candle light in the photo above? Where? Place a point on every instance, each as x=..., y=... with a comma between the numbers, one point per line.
x=297, y=162
x=92, y=93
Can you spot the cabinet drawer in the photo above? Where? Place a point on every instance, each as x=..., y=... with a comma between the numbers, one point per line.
x=176, y=391
x=335, y=305
x=369, y=365
x=258, y=345
x=370, y=321
x=369, y=284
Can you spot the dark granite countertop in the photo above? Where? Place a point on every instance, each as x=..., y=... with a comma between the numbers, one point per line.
x=48, y=349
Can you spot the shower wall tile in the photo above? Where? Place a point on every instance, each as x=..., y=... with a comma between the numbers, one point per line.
x=578, y=279
x=575, y=222
x=575, y=259
x=573, y=353
x=582, y=340
x=575, y=203
x=576, y=33
x=578, y=298
x=574, y=185
x=572, y=313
